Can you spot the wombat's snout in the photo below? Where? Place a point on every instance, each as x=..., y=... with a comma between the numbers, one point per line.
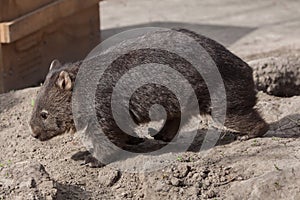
x=35, y=131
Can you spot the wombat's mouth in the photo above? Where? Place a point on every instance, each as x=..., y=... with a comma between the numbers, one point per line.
x=45, y=136
x=43, y=139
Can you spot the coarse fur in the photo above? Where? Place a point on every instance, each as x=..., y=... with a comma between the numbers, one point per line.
x=52, y=114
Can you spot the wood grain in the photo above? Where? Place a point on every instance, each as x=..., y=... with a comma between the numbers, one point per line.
x=34, y=21
x=12, y=9
x=25, y=62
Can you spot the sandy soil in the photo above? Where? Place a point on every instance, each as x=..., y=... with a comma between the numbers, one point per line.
x=262, y=168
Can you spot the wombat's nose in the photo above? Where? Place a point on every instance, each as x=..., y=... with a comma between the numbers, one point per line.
x=35, y=132
x=36, y=136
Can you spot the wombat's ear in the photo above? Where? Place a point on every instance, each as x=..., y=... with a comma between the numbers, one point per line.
x=55, y=64
x=64, y=81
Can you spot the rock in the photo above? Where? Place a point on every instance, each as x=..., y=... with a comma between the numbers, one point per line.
x=211, y=194
x=198, y=184
x=30, y=183
x=27, y=180
x=223, y=179
x=279, y=76
x=284, y=184
x=203, y=175
x=109, y=178
x=182, y=171
x=207, y=183
x=175, y=182
x=159, y=186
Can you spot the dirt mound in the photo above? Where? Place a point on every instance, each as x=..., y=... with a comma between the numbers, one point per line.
x=278, y=75
x=262, y=168
x=25, y=180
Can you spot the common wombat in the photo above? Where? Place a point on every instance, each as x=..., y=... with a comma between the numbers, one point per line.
x=52, y=114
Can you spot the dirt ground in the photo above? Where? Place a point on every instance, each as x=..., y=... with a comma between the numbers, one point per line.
x=261, y=168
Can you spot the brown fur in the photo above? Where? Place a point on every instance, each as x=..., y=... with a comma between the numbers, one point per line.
x=236, y=74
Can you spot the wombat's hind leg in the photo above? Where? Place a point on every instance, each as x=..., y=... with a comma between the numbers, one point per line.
x=248, y=123
x=169, y=131
x=121, y=139
x=131, y=140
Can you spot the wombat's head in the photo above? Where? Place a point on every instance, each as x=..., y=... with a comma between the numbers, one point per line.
x=52, y=113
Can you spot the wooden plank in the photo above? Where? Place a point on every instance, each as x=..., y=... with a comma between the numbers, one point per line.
x=1, y=71
x=26, y=61
x=12, y=9
x=34, y=21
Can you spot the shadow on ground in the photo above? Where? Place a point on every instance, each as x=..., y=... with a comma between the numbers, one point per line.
x=65, y=191
x=287, y=127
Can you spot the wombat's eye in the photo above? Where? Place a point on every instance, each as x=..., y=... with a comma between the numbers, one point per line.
x=44, y=114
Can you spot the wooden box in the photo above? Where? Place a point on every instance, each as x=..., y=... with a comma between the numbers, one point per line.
x=34, y=32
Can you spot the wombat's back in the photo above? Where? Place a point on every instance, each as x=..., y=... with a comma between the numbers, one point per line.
x=236, y=75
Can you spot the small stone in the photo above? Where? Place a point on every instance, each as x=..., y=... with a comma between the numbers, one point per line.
x=30, y=183
x=159, y=186
x=223, y=179
x=211, y=194
x=49, y=197
x=141, y=195
x=198, y=184
x=204, y=174
x=181, y=191
x=129, y=195
x=123, y=194
x=182, y=171
x=175, y=182
x=239, y=178
x=207, y=183
x=196, y=176
x=227, y=172
x=108, y=178
x=195, y=191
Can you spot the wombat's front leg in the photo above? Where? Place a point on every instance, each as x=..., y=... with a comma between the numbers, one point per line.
x=247, y=123
x=92, y=162
x=88, y=159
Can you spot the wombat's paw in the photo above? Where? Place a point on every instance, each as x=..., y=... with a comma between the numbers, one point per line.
x=162, y=137
x=243, y=138
x=87, y=159
x=92, y=162
x=152, y=132
x=134, y=140
x=159, y=136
